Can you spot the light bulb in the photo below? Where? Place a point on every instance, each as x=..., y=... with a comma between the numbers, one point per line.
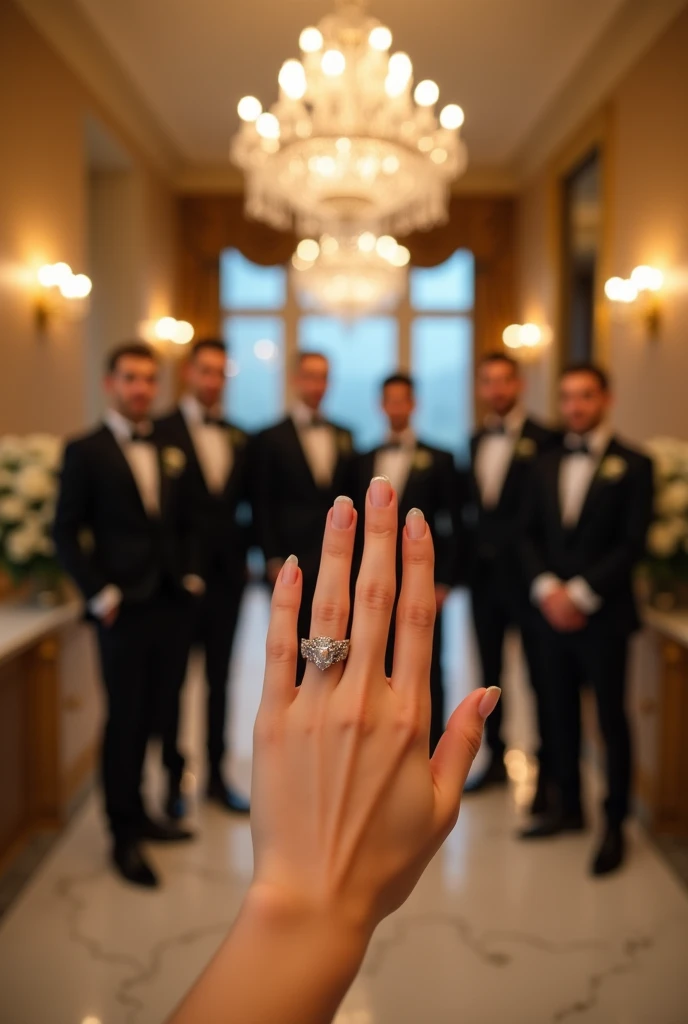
x=530, y=335
x=268, y=126
x=265, y=350
x=310, y=40
x=395, y=86
x=329, y=245
x=386, y=246
x=380, y=38
x=438, y=156
x=647, y=279
x=628, y=292
x=308, y=250
x=333, y=63
x=451, y=117
x=292, y=79
x=426, y=143
x=366, y=241
x=390, y=164
x=249, y=108
x=46, y=276
x=165, y=328
x=400, y=66
x=81, y=286
x=613, y=288
x=183, y=332
x=426, y=93
x=512, y=336
x=401, y=256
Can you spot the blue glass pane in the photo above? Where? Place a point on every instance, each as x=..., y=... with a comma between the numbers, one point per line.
x=449, y=287
x=442, y=366
x=255, y=389
x=245, y=285
x=361, y=353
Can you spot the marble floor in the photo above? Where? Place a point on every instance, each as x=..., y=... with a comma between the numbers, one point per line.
x=497, y=931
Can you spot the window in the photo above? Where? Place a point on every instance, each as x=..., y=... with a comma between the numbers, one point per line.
x=432, y=335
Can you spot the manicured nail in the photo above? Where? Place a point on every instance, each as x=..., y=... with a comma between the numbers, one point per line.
x=380, y=491
x=342, y=513
x=290, y=570
x=415, y=524
x=489, y=701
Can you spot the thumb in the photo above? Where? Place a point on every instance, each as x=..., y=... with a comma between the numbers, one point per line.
x=458, y=748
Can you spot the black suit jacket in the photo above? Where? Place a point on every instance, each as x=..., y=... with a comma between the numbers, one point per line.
x=491, y=535
x=431, y=487
x=102, y=531
x=290, y=506
x=226, y=517
x=609, y=538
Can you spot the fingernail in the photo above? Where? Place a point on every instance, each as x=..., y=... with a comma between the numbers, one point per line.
x=415, y=524
x=342, y=512
x=380, y=491
x=489, y=701
x=290, y=570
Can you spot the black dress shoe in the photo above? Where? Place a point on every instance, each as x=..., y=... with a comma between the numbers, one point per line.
x=494, y=775
x=163, y=832
x=227, y=797
x=175, y=805
x=553, y=825
x=131, y=865
x=544, y=801
x=611, y=853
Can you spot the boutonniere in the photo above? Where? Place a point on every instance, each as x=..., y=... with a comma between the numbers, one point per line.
x=344, y=442
x=525, y=448
x=173, y=461
x=612, y=468
x=237, y=437
x=422, y=459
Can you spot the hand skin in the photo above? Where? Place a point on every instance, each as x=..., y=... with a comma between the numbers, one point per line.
x=347, y=810
x=561, y=612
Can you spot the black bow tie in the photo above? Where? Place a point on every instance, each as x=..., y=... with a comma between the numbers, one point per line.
x=141, y=436
x=316, y=420
x=576, y=446
x=496, y=430
x=392, y=446
x=213, y=421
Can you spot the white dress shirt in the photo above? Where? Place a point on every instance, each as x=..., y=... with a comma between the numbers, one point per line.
x=395, y=463
x=318, y=442
x=212, y=444
x=576, y=474
x=495, y=453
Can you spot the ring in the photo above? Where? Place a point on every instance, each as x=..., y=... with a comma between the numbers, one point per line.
x=323, y=651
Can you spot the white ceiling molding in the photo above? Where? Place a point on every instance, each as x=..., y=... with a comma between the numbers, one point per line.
x=630, y=34
x=66, y=29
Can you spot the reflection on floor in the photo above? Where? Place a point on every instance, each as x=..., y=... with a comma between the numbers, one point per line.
x=496, y=930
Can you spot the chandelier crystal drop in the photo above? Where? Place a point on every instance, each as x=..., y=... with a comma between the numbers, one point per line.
x=349, y=146
x=352, y=276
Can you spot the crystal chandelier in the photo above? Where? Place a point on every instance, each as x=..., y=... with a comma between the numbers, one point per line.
x=350, y=276
x=349, y=146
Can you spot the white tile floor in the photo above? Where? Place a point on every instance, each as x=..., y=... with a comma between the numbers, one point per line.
x=497, y=931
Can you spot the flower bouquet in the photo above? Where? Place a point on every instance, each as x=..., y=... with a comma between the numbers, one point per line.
x=666, y=564
x=29, y=468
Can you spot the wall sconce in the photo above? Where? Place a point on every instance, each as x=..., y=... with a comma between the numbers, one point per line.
x=59, y=286
x=167, y=328
x=526, y=340
x=641, y=287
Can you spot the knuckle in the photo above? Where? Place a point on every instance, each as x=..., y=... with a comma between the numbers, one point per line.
x=375, y=595
x=379, y=526
x=407, y=726
x=327, y=611
x=473, y=738
x=280, y=649
x=356, y=720
x=417, y=614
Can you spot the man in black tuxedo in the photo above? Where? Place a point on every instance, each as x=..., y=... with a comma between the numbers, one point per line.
x=588, y=514
x=218, y=460
x=304, y=463
x=503, y=453
x=125, y=531
x=423, y=477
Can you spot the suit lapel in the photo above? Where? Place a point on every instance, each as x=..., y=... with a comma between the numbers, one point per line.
x=293, y=442
x=597, y=485
x=122, y=467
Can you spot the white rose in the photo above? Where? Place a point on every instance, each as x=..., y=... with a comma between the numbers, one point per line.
x=673, y=498
x=6, y=480
x=35, y=484
x=12, y=509
x=662, y=540
x=44, y=449
x=21, y=546
x=11, y=449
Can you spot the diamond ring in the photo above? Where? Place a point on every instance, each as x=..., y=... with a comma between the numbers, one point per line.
x=323, y=651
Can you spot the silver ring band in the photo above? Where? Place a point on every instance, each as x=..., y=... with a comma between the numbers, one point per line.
x=323, y=651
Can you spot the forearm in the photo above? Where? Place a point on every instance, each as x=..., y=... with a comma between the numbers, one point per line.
x=276, y=966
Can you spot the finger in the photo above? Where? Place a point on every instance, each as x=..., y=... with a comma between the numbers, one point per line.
x=279, y=686
x=457, y=750
x=416, y=612
x=376, y=584
x=332, y=601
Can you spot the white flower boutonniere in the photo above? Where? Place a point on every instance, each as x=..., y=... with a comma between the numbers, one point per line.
x=422, y=459
x=237, y=437
x=173, y=461
x=344, y=442
x=525, y=448
x=613, y=467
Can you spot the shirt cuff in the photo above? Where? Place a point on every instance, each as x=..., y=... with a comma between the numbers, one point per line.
x=583, y=596
x=105, y=601
x=194, y=584
x=543, y=585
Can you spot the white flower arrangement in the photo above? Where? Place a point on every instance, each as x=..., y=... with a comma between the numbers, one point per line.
x=29, y=468
x=667, y=540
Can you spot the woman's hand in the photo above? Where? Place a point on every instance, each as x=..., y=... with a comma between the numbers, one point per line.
x=347, y=810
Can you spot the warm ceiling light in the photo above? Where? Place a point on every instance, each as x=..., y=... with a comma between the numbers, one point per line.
x=333, y=63
x=268, y=126
x=438, y=156
x=400, y=66
x=380, y=38
x=310, y=40
x=647, y=279
x=401, y=256
x=366, y=241
x=386, y=246
x=308, y=250
x=426, y=93
x=292, y=78
x=451, y=116
x=249, y=108
x=395, y=86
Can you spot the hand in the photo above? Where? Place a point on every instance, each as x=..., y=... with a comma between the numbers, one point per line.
x=347, y=810
x=442, y=592
x=274, y=567
x=561, y=612
x=110, y=618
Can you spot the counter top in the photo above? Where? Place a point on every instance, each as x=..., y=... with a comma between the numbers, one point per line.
x=21, y=625
x=671, y=624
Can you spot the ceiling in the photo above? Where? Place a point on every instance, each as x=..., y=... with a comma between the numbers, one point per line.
x=504, y=61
